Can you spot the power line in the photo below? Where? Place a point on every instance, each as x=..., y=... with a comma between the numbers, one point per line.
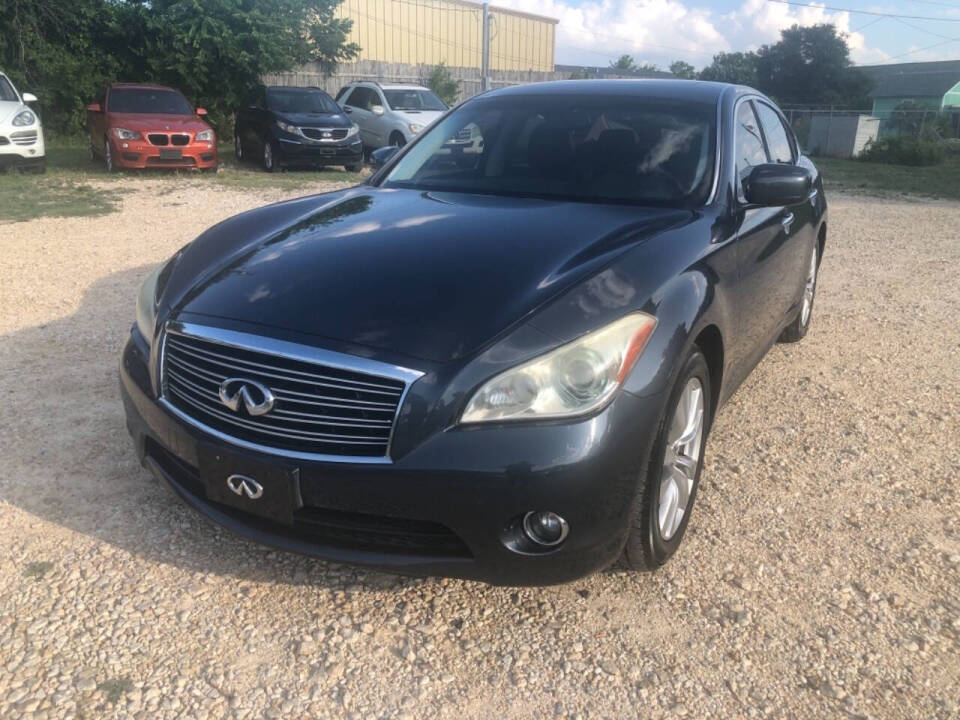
x=920, y=29
x=914, y=52
x=863, y=12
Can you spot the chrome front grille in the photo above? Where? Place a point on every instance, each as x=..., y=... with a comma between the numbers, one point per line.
x=324, y=134
x=320, y=408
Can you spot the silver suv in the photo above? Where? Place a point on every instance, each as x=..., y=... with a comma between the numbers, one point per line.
x=389, y=114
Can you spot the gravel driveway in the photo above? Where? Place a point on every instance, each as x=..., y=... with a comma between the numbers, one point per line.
x=820, y=576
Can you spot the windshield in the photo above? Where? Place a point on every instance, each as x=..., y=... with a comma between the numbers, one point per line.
x=413, y=100
x=146, y=100
x=301, y=101
x=587, y=148
x=7, y=93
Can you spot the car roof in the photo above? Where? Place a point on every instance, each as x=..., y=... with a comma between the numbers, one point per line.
x=301, y=88
x=696, y=90
x=389, y=86
x=142, y=86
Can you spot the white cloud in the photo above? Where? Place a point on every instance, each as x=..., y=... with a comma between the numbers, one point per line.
x=659, y=31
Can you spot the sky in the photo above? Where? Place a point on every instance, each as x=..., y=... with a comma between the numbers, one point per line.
x=595, y=32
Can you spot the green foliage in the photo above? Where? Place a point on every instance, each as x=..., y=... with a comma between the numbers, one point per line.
x=905, y=150
x=115, y=688
x=624, y=62
x=853, y=176
x=443, y=84
x=921, y=120
x=736, y=67
x=37, y=570
x=811, y=65
x=682, y=69
x=213, y=50
x=580, y=74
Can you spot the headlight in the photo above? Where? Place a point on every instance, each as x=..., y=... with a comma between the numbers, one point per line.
x=354, y=129
x=122, y=134
x=571, y=380
x=147, y=305
x=204, y=136
x=292, y=129
x=415, y=127
x=24, y=117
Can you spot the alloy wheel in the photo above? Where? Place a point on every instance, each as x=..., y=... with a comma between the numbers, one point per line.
x=268, y=156
x=107, y=156
x=239, y=147
x=681, y=458
x=809, y=289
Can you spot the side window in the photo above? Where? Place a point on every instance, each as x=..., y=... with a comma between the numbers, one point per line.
x=749, y=142
x=360, y=98
x=341, y=92
x=781, y=151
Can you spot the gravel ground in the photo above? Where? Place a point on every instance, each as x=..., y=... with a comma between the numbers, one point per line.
x=820, y=576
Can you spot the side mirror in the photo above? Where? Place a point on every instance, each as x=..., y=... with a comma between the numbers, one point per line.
x=29, y=97
x=94, y=107
x=774, y=184
x=201, y=111
x=376, y=109
x=381, y=156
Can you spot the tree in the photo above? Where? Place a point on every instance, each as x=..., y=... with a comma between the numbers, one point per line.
x=580, y=74
x=683, y=70
x=624, y=62
x=737, y=68
x=214, y=50
x=443, y=84
x=811, y=65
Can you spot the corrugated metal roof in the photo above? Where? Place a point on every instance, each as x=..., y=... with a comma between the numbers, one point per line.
x=929, y=79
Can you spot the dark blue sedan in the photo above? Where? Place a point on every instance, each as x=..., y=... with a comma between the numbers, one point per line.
x=500, y=357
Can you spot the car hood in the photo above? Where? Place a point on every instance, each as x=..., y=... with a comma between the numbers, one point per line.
x=321, y=120
x=427, y=275
x=142, y=122
x=9, y=108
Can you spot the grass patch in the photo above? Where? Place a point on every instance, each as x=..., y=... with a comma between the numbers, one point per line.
x=937, y=181
x=66, y=190
x=115, y=688
x=37, y=570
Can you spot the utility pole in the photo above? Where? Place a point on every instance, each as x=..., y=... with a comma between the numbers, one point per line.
x=485, y=50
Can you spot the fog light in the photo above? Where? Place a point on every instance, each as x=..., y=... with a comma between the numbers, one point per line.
x=545, y=528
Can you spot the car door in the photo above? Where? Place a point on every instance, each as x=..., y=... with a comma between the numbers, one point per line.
x=259, y=119
x=764, y=257
x=357, y=105
x=95, y=122
x=798, y=220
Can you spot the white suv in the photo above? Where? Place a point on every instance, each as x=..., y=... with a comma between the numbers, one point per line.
x=21, y=136
x=389, y=114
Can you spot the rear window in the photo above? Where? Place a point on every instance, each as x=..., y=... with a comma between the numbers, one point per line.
x=148, y=101
x=7, y=93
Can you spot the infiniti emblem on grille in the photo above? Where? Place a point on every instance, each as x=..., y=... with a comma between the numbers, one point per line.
x=257, y=398
x=243, y=485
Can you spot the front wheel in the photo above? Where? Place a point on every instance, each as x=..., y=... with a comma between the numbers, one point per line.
x=398, y=140
x=355, y=167
x=108, y=162
x=269, y=157
x=667, y=491
x=238, y=146
x=797, y=330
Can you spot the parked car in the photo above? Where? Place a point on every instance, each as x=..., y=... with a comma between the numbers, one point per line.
x=149, y=126
x=389, y=114
x=282, y=126
x=21, y=135
x=500, y=365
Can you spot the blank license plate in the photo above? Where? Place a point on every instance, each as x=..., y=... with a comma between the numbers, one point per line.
x=171, y=154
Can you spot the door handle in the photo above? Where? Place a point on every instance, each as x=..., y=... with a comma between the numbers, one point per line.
x=787, y=221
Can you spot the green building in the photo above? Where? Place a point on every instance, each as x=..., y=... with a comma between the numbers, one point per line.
x=930, y=85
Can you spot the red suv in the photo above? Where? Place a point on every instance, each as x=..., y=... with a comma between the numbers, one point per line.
x=146, y=126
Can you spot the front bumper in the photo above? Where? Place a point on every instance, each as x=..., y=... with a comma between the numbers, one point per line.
x=141, y=154
x=294, y=151
x=446, y=507
x=21, y=146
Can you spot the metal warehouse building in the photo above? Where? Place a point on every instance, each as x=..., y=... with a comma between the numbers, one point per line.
x=429, y=32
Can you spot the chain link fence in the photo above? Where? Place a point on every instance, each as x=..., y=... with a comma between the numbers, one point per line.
x=845, y=132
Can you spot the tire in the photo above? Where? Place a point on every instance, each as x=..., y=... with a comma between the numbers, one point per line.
x=656, y=528
x=238, y=147
x=398, y=140
x=797, y=330
x=356, y=167
x=108, y=163
x=40, y=168
x=269, y=157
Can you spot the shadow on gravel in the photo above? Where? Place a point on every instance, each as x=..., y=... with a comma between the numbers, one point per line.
x=69, y=460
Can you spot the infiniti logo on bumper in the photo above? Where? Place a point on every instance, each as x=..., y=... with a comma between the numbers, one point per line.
x=256, y=398
x=243, y=485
